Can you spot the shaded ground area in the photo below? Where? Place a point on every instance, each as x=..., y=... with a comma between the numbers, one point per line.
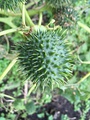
x=57, y=107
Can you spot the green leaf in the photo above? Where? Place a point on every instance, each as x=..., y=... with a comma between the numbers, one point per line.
x=30, y=108
x=19, y=105
x=41, y=115
x=50, y=117
x=2, y=118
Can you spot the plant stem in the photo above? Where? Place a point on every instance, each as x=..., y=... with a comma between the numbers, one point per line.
x=84, y=26
x=28, y=19
x=9, y=31
x=8, y=45
x=40, y=18
x=31, y=89
x=3, y=12
x=23, y=14
x=86, y=76
x=1, y=94
x=8, y=68
x=25, y=91
x=83, y=62
x=8, y=21
x=40, y=9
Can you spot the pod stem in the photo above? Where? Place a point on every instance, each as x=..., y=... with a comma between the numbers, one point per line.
x=23, y=14
x=9, y=31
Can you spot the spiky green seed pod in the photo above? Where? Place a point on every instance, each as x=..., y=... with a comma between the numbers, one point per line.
x=9, y=4
x=58, y=3
x=45, y=58
x=65, y=16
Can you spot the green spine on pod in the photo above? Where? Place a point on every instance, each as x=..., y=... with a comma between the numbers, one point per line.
x=45, y=58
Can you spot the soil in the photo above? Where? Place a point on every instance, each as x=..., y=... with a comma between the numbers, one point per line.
x=58, y=106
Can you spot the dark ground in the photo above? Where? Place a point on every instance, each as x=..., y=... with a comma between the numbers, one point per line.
x=57, y=107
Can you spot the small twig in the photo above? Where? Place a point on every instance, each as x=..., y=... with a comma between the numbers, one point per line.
x=8, y=100
x=31, y=89
x=8, y=96
x=17, y=116
x=6, y=38
x=25, y=91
